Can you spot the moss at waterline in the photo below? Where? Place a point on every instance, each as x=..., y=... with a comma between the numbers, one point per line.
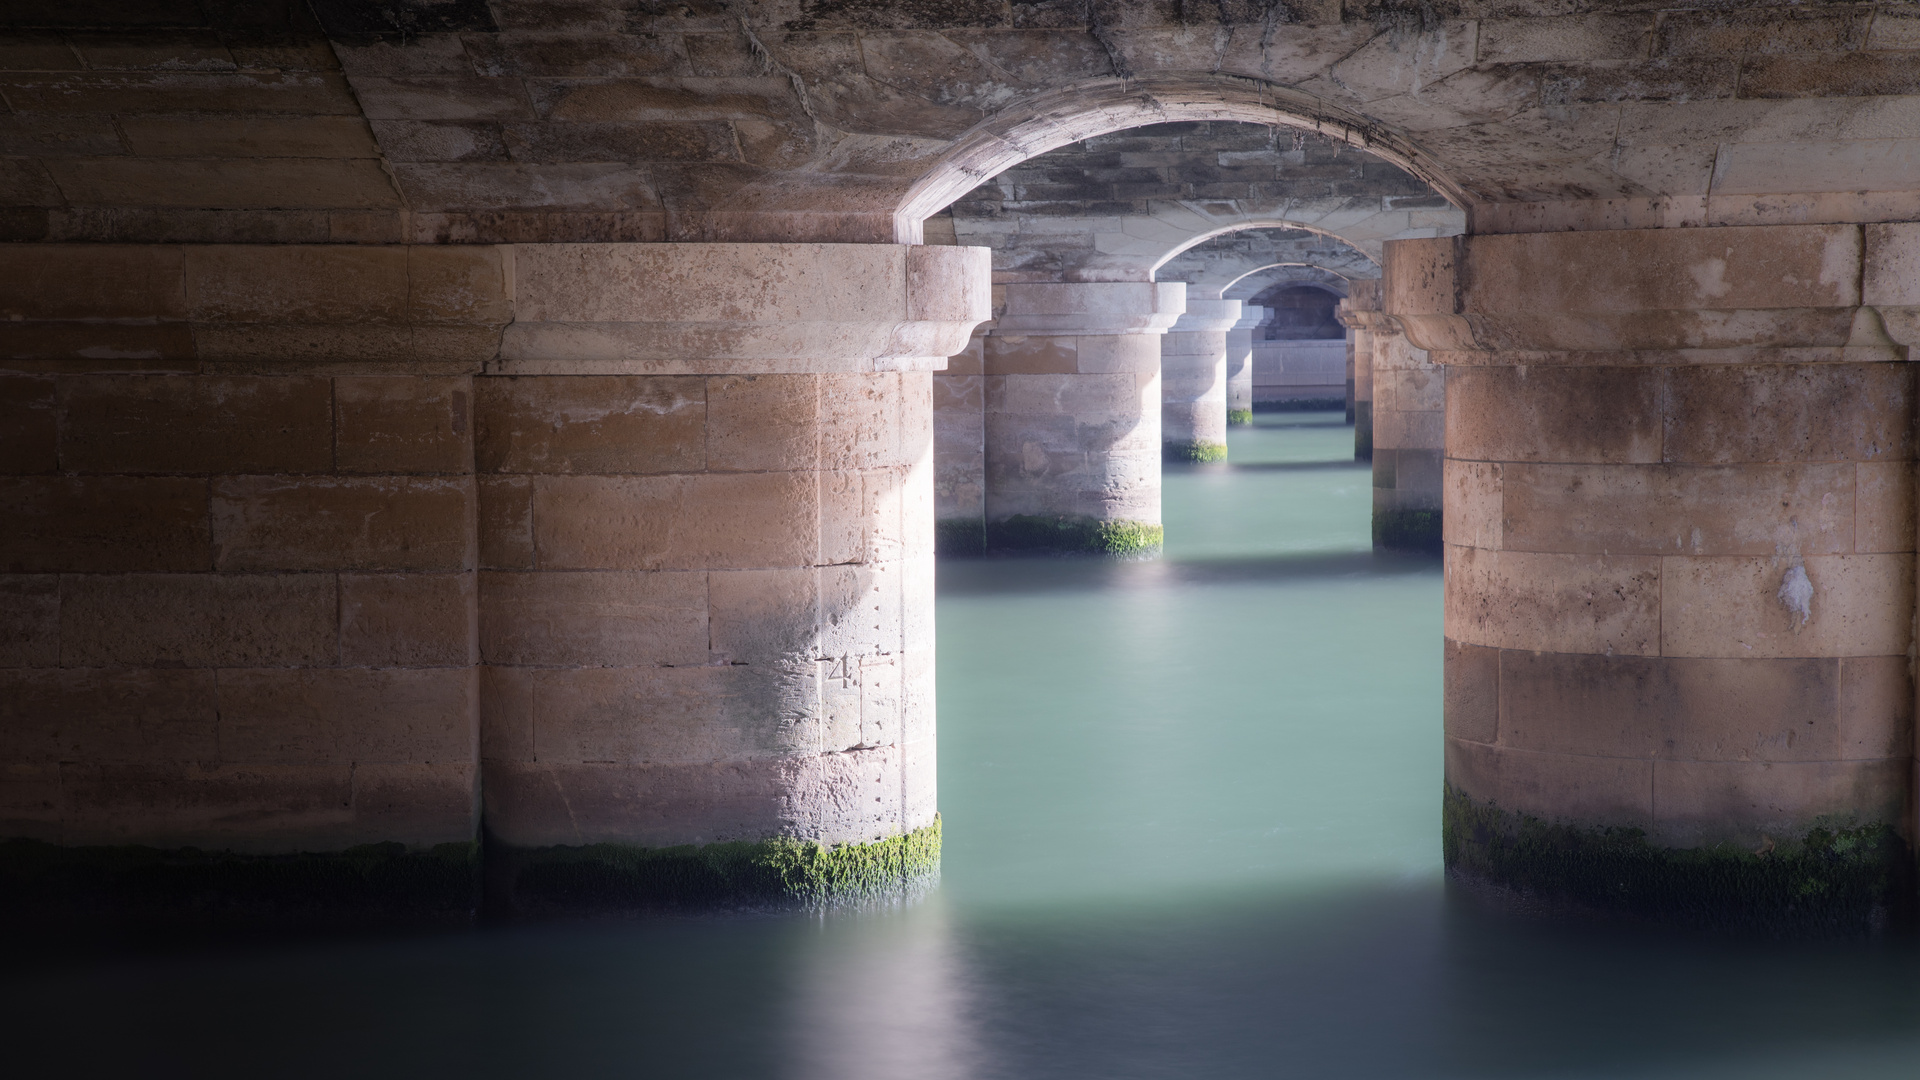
x=369, y=884
x=1407, y=530
x=1836, y=878
x=1198, y=452
x=1239, y=417
x=766, y=874
x=960, y=537
x=1064, y=535
x=1313, y=404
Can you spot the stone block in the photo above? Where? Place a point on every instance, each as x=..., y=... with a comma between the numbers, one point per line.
x=408, y=620
x=196, y=424
x=227, y=807
x=411, y=424
x=441, y=97
x=287, y=93
x=346, y=716
x=505, y=522
x=686, y=522
x=29, y=620
x=417, y=803
x=1657, y=270
x=541, y=804
x=1003, y=354
x=1768, y=412
x=762, y=422
x=860, y=421
x=1731, y=709
x=91, y=281
x=1748, y=802
x=658, y=716
x=29, y=434
x=1555, y=603
x=766, y=618
x=455, y=283
x=32, y=804
x=1474, y=511
x=198, y=620
x=225, y=183
x=1680, y=509
x=1562, y=788
x=309, y=283
x=338, y=523
x=249, y=137
x=51, y=715
x=603, y=619
x=860, y=610
x=1876, y=708
x=506, y=713
x=1555, y=414
x=1854, y=605
x=104, y=523
x=590, y=424
x=1892, y=264
x=1472, y=692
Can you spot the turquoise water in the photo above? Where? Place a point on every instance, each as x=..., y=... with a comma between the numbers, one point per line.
x=1191, y=814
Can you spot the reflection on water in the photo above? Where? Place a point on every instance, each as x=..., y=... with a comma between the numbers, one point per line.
x=1191, y=832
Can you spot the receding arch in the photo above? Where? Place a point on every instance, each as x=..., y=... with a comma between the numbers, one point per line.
x=1082, y=110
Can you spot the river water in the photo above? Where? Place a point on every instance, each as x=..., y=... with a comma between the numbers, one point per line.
x=1191, y=813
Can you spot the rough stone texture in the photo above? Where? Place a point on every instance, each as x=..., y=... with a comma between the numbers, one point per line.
x=304, y=574
x=1360, y=313
x=1677, y=495
x=789, y=120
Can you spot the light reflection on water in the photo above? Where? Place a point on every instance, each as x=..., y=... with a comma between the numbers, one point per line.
x=1191, y=831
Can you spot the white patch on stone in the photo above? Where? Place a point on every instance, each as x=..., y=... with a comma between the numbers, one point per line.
x=1710, y=277
x=1796, y=592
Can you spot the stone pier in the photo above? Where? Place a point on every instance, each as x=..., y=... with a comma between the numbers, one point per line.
x=1072, y=427
x=1680, y=565
x=1360, y=314
x=1193, y=382
x=337, y=560
x=1409, y=421
x=1240, y=364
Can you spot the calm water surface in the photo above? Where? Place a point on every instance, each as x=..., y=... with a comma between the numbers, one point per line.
x=1191, y=816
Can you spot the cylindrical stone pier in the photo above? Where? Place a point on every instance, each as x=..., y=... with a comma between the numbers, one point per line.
x=1073, y=416
x=1360, y=314
x=1680, y=571
x=1193, y=381
x=1409, y=421
x=605, y=552
x=1240, y=364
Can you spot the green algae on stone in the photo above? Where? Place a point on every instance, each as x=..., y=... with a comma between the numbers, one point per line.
x=1239, y=417
x=369, y=884
x=764, y=874
x=1407, y=530
x=960, y=537
x=1835, y=878
x=1199, y=452
x=1066, y=535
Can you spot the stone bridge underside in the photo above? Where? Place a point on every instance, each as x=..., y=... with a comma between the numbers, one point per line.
x=390, y=468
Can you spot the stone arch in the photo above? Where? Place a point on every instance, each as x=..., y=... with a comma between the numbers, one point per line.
x=1254, y=282
x=1082, y=110
x=1208, y=272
